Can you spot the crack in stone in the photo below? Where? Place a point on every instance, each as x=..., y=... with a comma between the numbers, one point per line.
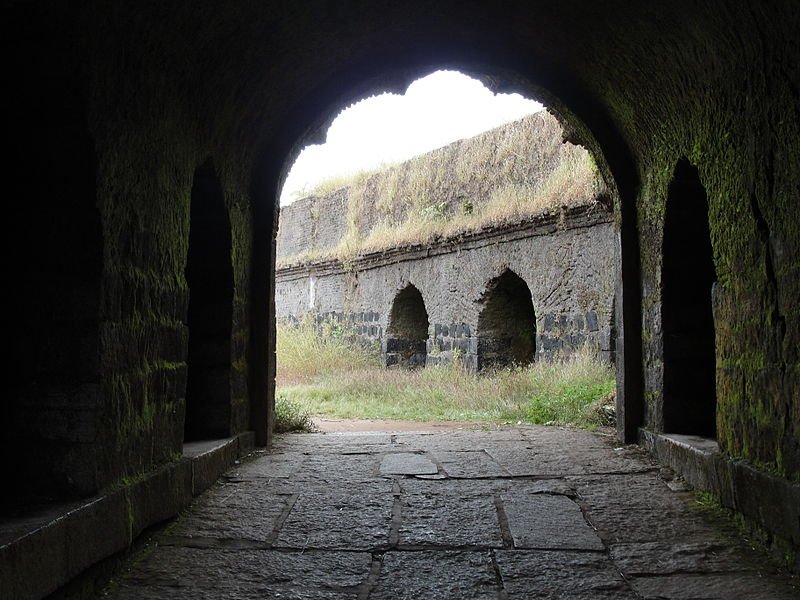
x=501, y=588
x=505, y=528
x=371, y=582
x=397, y=514
x=276, y=529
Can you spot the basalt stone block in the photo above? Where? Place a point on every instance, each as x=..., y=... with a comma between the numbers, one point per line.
x=770, y=500
x=436, y=575
x=159, y=496
x=96, y=530
x=35, y=564
x=207, y=466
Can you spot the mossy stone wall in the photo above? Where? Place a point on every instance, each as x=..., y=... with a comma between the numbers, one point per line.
x=160, y=88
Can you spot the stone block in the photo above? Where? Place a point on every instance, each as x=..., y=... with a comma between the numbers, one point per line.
x=562, y=576
x=159, y=496
x=207, y=466
x=96, y=531
x=436, y=575
x=35, y=564
x=548, y=522
x=769, y=500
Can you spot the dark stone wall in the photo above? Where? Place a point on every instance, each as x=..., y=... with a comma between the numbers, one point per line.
x=112, y=106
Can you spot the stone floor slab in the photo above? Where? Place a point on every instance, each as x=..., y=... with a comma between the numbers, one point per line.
x=338, y=520
x=234, y=512
x=469, y=464
x=407, y=463
x=437, y=519
x=513, y=513
x=533, y=462
x=561, y=576
x=548, y=522
x=192, y=574
x=730, y=586
x=656, y=558
x=442, y=575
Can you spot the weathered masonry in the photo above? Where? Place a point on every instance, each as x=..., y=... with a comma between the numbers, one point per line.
x=115, y=110
x=550, y=280
x=421, y=260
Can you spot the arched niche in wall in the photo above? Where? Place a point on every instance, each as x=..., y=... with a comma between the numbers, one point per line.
x=51, y=423
x=507, y=323
x=687, y=278
x=209, y=275
x=405, y=343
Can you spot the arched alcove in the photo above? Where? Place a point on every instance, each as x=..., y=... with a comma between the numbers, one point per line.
x=209, y=275
x=687, y=278
x=407, y=332
x=507, y=323
x=53, y=409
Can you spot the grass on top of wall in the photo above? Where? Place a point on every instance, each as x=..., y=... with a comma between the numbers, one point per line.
x=507, y=175
x=576, y=390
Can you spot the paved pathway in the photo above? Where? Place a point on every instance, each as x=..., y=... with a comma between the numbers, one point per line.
x=521, y=512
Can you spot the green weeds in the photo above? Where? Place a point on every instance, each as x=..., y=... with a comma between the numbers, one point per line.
x=290, y=415
x=328, y=377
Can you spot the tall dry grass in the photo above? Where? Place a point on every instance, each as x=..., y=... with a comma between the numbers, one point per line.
x=305, y=351
x=329, y=377
x=509, y=174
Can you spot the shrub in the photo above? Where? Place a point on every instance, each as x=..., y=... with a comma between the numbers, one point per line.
x=291, y=416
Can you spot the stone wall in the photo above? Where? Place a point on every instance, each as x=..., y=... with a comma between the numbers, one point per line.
x=525, y=161
x=113, y=106
x=568, y=262
x=314, y=222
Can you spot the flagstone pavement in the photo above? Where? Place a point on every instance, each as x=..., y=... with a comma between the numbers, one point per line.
x=508, y=512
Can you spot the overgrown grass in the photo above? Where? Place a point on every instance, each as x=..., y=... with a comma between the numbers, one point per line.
x=576, y=390
x=506, y=175
x=305, y=352
x=290, y=415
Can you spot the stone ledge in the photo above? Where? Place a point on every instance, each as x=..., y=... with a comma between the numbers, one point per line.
x=567, y=218
x=42, y=554
x=771, y=502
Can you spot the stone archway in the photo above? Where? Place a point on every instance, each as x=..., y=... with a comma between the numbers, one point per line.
x=210, y=279
x=405, y=343
x=688, y=276
x=507, y=323
x=308, y=126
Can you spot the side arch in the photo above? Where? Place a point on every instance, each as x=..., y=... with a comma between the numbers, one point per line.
x=687, y=278
x=405, y=342
x=209, y=275
x=506, y=323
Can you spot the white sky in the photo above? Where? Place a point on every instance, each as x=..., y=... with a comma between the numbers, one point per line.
x=435, y=111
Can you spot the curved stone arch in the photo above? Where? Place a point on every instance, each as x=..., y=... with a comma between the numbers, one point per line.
x=585, y=123
x=506, y=333
x=405, y=342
